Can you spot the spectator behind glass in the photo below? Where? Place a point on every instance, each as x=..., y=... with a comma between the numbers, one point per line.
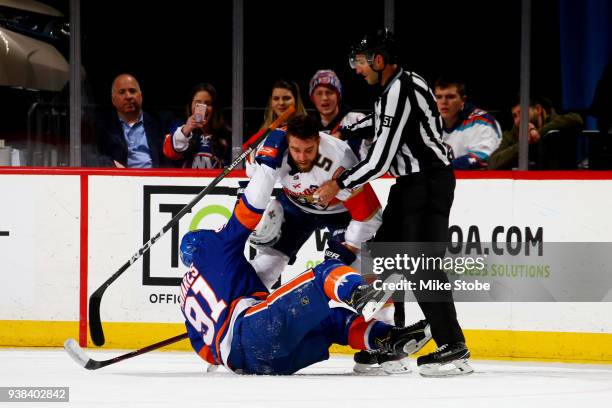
x=325, y=91
x=472, y=134
x=203, y=142
x=284, y=94
x=542, y=119
x=129, y=137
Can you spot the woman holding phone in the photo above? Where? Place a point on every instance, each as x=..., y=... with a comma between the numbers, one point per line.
x=203, y=141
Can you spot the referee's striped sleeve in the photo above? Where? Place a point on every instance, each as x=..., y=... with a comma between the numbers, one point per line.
x=395, y=110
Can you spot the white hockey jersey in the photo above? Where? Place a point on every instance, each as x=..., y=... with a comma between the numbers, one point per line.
x=334, y=157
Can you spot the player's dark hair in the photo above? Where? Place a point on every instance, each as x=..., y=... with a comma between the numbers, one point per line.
x=303, y=127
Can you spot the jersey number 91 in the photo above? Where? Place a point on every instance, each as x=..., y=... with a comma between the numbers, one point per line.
x=202, y=321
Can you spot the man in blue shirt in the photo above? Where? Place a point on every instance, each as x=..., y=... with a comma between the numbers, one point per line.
x=131, y=138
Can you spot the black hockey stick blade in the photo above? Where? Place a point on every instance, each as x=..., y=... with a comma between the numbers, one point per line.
x=95, y=300
x=78, y=355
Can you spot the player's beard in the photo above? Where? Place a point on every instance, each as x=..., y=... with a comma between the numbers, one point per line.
x=305, y=168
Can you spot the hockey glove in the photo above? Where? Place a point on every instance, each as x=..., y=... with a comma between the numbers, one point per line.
x=271, y=153
x=336, y=250
x=268, y=231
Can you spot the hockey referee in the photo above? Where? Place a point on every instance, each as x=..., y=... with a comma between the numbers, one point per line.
x=408, y=144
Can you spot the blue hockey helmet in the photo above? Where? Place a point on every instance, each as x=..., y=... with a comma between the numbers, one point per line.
x=189, y=245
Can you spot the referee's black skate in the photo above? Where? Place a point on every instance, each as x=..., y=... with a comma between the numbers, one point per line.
x=393, y=349
x=367, y=300
x=448, y=360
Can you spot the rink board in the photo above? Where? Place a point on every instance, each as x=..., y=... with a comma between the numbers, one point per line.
x=69, y=230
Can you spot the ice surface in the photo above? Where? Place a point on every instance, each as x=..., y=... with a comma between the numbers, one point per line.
x=179, y=379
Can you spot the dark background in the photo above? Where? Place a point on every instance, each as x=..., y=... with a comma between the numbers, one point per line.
x=171, y=46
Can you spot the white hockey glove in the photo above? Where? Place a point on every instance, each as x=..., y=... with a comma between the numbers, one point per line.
x=268, y=231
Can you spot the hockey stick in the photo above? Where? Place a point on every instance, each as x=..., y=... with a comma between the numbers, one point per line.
x=95, y=323
x=78, y=355
x=254, y=140
x=360, y=121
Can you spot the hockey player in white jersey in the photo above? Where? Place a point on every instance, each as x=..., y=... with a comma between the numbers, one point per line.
x=352, y=218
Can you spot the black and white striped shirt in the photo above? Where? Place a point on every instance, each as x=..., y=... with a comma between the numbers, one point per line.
x=408, y=133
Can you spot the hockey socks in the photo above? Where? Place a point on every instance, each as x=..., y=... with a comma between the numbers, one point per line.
x=343, y=284
x=364, y=335
x=338, y=280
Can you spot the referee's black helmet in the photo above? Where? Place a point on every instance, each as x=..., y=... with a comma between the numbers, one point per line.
x=379, y=42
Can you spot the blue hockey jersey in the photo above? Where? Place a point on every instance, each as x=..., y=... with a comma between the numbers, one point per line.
x=221, y=284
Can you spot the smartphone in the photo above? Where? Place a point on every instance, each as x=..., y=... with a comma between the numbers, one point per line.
x=200, y=112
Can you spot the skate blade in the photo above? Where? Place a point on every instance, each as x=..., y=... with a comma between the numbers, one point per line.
x=412, y=346
x=373, y=306
x=368, y=369
x=450, y=369
x=401, y=366
x=387, y=368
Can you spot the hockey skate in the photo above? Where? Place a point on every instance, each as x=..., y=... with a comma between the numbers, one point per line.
x=391, y=356
x=376, y=362
x=447, y=360
x=368, y=300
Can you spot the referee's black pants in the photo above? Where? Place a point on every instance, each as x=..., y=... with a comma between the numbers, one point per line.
x=417, y=210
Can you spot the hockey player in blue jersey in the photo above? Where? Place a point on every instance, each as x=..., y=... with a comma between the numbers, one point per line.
x=233, y=320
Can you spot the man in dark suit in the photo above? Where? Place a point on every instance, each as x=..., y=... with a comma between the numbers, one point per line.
x=129, y=137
